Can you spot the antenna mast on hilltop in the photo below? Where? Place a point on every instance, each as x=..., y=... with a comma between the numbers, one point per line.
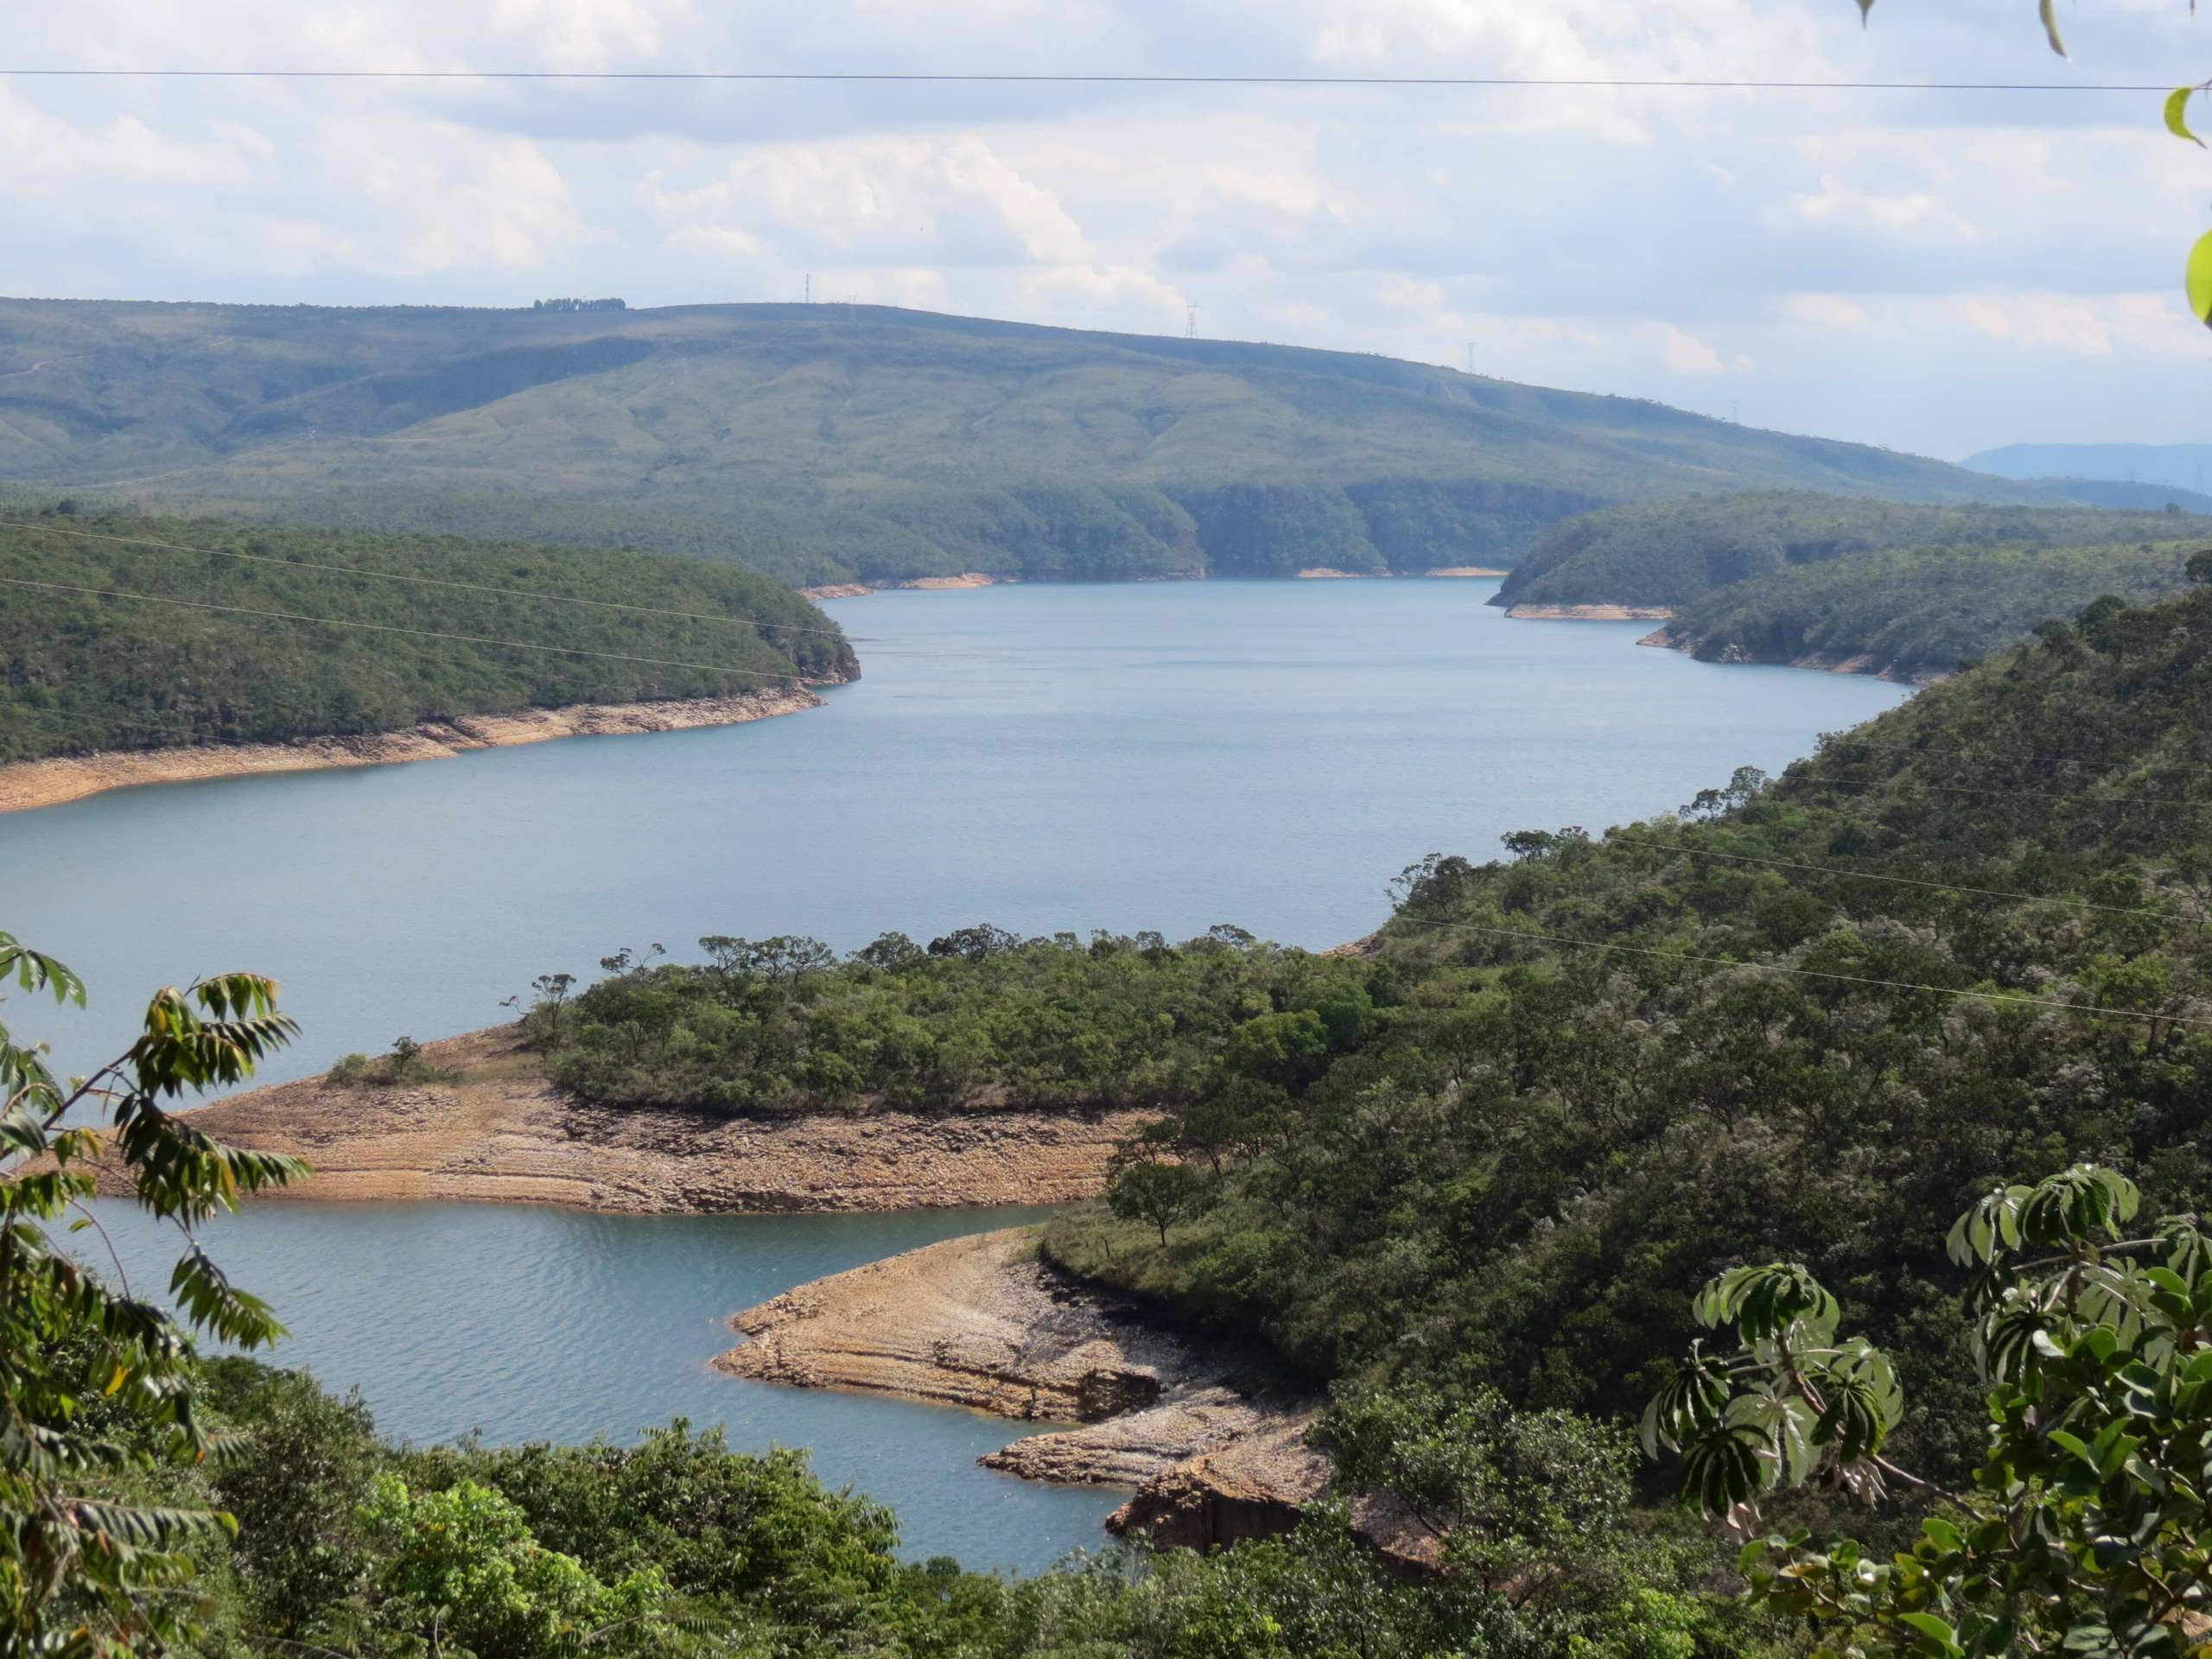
x=1190, y=322
x=1471, y=357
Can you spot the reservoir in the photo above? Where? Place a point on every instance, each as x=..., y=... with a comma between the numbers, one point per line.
x=1163, y=755
x=533, y=1323
x=1155, y=756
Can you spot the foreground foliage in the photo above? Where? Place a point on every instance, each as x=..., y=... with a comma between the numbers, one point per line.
x=98, y=1386
x=2086, y=1528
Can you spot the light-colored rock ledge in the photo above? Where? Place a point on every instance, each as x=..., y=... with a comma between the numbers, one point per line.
x=1215, y=1443
x=68, y=778
x=502, y=1132
x=1588, y=612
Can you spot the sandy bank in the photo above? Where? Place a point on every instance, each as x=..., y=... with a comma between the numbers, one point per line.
x=1468, y=570
x=1588, y=612
x=69, y=777
x=502, y=1132
x=1214, y=1443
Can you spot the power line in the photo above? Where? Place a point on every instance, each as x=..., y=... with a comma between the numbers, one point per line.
x=432, y=581
x=1811, y=973
x=385, y=627
x=964, y=79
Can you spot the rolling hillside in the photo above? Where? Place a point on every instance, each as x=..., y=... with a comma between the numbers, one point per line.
x=123, y=632
x=1670, y=553
x=827, y=442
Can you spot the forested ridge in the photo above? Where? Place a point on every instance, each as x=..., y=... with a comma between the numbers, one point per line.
x=831, y=443
x=120, y=632
x=1917, y=613
x=1670, y=553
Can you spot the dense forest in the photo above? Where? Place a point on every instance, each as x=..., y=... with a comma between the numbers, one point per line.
x=1917, y=613
x=833, y=443
x=1065, y=529
x=123, y=631
x=1667, y=553
x=1806, y=1018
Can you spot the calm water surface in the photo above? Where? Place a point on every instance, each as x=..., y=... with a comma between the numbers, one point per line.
x=532, y=1324
x=1158, y=756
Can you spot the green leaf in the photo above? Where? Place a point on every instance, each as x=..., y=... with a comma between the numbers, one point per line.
x=2177, y=112
x=2199, y=280
x=2048, y=13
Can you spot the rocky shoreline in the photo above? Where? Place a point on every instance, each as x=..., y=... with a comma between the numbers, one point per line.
x=497, y=1129
x=1588, y=612
x=1826, y=662
x=1214, y=1441
x=26, y=783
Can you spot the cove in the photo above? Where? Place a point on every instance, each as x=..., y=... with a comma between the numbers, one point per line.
x=532, y=1324
x=1152, y=755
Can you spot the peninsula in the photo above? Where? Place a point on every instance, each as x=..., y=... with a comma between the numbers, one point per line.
x=493, y=1127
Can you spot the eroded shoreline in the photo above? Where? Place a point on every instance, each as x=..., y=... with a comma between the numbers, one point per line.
x=502, y=1132
x=1213, y=1441
x=50, y=782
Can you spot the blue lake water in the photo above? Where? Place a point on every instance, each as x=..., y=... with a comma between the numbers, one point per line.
x=533, y=1323
x=1157, y=756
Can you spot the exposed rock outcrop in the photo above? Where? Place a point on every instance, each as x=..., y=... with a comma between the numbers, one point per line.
x=1215, y=1443
x=501, y=1130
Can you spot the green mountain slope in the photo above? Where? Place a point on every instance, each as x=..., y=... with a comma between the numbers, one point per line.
x=1807, y=1020
x=1667, y=553
x=120, y=632
x=1916, y=612
x=925, y=425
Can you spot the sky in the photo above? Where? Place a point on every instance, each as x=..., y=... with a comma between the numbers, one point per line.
x=1941, y=272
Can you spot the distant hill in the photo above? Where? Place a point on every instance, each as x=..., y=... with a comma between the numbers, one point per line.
x=830, y=442
x=2188, y=464
x=2112, y=493
x=1670, y=553
x=1917, y=613
x=124, y=632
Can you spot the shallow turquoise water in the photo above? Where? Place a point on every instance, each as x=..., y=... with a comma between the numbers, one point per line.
x=1158, y=756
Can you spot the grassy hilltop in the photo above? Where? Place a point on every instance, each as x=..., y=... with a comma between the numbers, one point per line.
x=828, y=442
x=83, y=667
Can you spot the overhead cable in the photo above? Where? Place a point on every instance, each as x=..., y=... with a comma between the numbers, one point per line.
x=965, y=77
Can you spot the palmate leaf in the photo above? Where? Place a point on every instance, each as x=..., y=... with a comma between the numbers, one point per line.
x=1721, y=1468
x=1864, y=1403
x=1765, y=1302
x=1690, y=1404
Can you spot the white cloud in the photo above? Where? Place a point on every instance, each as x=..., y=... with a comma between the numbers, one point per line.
x=1687, y=354
x=1928, y=271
